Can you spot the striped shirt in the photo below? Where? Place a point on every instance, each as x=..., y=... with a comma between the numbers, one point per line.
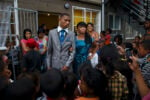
x=145, y=69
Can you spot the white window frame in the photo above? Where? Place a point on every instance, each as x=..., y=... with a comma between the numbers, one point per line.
x=84, y=16
x=15, y=5
x=114, y=21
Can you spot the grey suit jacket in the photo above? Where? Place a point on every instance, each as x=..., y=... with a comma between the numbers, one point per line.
x=59, y=55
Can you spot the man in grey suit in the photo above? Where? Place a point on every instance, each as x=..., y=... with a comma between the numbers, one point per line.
x=61, y=45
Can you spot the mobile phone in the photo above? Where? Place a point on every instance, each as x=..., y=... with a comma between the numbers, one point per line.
x=128, y=55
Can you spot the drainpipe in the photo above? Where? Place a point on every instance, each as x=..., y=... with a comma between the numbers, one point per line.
x=16, y=21
x=103, y=15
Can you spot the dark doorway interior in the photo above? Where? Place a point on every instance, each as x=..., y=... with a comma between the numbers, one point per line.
x=49, y=19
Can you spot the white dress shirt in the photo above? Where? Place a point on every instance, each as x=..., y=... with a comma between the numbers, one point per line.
x=94, y=60
x=59, y=29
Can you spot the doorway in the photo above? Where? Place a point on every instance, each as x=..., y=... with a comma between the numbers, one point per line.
x=49, y=19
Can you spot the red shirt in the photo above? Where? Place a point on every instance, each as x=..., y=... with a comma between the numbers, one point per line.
x=107, y=39
x=24, y=41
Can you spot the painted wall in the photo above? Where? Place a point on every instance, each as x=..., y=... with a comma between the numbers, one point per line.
x=53, y=6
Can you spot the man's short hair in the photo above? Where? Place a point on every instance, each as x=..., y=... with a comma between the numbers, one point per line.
x=64, y=14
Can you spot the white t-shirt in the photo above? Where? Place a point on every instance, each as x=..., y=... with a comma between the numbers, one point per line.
x=94, y=60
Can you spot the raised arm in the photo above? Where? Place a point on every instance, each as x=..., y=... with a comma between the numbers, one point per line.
x=142, y=86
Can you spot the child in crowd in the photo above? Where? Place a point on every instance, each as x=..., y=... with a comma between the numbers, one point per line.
x=92, y=84
x=34, y=76
x=102, y=35
x=93, y=56
x=108, y=36
x=32, y=59
x=118, y=40
x=22, y=89
x=4, y=71
x=12, y=58
x=52, y=85
x=71, y=82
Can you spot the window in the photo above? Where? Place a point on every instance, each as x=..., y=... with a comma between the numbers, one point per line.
x=114, y=22
x=9, y=27
x=5, y=15
x=86, y=15
x=131, y=32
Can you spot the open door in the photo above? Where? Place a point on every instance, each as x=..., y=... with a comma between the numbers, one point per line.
x=49, y=19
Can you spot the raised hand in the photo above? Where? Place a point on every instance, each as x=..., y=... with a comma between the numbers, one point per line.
x=134, y=65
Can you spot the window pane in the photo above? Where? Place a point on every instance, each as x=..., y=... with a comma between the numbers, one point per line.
x=77, y=20
x=87, y=17
x=117, y=22
x=111, y=21
x=78, y=16
x=93, y=20
x=78, y=12
x=96, y=22
x=91, y=16
x=94, y=14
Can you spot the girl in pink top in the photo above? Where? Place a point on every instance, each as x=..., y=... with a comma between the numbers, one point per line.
x=26, y=35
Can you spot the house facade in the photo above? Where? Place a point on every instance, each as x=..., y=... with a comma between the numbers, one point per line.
x=32, y=13
x=126, y=17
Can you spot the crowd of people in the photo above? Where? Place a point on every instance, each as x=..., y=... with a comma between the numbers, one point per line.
x=80, y=65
